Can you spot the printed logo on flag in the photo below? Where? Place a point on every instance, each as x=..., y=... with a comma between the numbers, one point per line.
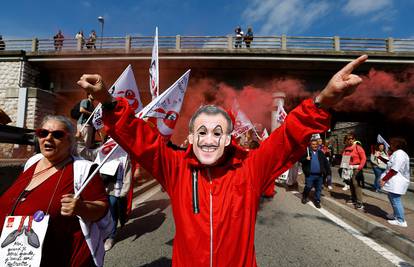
x=242, y=124
x=164, y=110
x=107, y=147
x=125, y=87
x=97, y=119
x=10, y=221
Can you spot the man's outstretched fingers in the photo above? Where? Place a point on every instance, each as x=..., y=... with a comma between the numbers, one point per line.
x=351, y=66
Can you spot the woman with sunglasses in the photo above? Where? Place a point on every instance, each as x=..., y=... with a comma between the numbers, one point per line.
x=46, y=187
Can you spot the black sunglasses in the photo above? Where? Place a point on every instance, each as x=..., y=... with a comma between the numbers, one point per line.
x=43, y=133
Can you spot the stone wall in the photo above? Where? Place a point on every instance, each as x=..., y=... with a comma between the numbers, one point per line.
x=13, y=76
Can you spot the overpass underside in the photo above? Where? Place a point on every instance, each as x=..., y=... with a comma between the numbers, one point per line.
x=237, y=68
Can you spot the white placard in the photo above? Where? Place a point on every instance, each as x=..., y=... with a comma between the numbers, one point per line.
x=345, y=162
x=284, y=176
x=22, y=241
x=110, y=168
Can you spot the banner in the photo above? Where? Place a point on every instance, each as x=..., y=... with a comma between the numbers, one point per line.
x=242, y=123
x=153, y=69
x=126, y=87
x=163, y=111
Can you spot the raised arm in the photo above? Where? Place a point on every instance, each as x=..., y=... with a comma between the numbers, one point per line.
x=287, y=144
x=139, y=139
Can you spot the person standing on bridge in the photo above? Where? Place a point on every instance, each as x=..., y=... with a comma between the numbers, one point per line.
x=58, y=40
x=2, y=43
x=214, y=185
x=239, y=37
x=248, y=37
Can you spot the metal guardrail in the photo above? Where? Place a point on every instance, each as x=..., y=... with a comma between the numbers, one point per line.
x=282, y=42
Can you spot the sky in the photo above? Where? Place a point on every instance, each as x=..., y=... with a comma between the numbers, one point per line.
x=345, y=18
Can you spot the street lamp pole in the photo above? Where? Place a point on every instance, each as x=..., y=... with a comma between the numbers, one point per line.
x=101, y=21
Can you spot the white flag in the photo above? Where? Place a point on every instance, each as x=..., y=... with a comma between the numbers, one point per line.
x=153, y=69
x=126, y=87
x=164, y=110
x=381, y=140
x=118, y=157
x=281, y=114
x=242, y=123
x=97, y=118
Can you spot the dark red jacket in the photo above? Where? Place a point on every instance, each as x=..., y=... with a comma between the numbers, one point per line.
x=222, y=233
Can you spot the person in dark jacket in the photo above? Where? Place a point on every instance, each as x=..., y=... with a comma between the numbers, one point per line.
x=315, y=166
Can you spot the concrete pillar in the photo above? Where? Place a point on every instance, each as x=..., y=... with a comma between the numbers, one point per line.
x=283, y=42
x=22, y=107
x=390, y=45
x=278, y=100
x=35, y=44
x=128, y=43
x=230, y=42
x=178, y=42
x=337, y=44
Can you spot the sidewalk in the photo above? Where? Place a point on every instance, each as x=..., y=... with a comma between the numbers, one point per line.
x=372, y=220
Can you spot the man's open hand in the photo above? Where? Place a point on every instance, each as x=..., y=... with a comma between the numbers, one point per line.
x=342, y=84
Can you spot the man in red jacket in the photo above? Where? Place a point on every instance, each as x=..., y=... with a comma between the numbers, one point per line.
x=215, y=186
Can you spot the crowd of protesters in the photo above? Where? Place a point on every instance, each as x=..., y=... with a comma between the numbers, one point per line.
x=243, y=174
x=390, y=165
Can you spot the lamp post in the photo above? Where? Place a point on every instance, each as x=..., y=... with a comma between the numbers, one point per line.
x=101, y=21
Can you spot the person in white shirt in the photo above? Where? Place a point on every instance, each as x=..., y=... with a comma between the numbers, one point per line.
x=396, y=179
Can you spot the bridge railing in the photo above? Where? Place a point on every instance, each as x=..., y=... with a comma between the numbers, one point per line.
x=283, y=42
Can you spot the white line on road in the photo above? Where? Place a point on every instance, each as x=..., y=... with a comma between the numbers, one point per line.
x=140, y=199
x=357, y=234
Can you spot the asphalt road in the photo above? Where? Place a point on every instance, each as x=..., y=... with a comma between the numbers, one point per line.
x=288, y=233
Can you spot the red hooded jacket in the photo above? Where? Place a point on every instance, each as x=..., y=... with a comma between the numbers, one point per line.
x=227, y=194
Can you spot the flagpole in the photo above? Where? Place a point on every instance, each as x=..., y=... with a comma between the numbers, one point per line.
x=95, y=171
x=158, y=73
x=90, y=117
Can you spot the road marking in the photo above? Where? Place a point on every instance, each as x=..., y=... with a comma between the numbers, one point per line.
x=142, y=198
x=366, y=240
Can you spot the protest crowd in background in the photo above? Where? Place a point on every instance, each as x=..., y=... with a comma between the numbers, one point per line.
x=120, y=165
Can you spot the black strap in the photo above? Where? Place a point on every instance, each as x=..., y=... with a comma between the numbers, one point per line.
x=196, y=208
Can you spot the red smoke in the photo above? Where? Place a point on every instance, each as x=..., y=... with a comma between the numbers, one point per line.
x=389, y=94
x=255, y=102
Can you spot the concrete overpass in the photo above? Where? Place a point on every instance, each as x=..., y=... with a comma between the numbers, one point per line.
x=50, y=74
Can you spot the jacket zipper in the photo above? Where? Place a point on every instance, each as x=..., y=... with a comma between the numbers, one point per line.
x=211, y=219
